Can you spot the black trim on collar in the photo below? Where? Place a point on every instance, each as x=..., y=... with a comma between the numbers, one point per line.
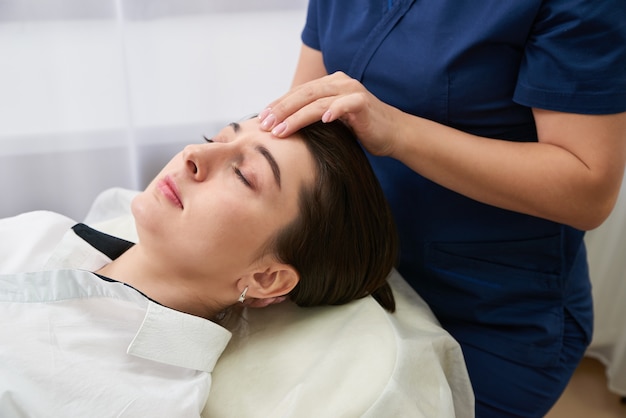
x=107, y=244
x=110, y=280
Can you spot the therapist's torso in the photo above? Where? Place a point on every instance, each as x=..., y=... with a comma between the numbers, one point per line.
x=476, y=67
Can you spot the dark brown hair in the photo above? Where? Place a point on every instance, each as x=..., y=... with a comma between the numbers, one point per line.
x=344, y=243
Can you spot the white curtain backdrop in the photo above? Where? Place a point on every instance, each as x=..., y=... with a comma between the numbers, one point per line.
x=607, y=263
x=101, y=93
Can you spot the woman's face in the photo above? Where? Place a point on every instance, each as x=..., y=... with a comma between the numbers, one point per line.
x=215, y=205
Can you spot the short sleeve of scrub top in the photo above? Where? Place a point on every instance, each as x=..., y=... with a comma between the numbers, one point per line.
x=574, y=58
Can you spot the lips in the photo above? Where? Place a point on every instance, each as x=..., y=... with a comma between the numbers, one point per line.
x=170, y=191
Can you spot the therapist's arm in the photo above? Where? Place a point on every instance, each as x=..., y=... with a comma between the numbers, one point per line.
x=571, y=176
x=310, y=66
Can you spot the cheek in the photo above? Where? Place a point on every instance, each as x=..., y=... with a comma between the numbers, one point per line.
x=219, y=244
x=243, y=229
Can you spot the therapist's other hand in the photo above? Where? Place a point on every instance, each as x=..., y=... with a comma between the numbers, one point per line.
x=335, y=96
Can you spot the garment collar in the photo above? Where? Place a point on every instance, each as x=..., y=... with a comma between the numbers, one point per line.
x=166, y=335
x=179, y=339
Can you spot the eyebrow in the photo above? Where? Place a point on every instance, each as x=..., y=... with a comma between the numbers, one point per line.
x=236, y=127
x=265, y=153
x=270, y=159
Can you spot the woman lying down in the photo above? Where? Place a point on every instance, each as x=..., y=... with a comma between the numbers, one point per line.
x=134, y=329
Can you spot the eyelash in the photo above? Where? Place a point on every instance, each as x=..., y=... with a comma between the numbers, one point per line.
x=241, y=177
x=209, y=140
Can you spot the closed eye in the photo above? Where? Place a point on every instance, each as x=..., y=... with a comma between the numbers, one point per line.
x=209, y=140
x=241, y=177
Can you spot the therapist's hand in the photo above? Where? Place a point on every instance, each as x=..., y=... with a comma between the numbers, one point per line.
x=335, y=96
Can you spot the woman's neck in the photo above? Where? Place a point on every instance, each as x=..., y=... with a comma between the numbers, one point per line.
x=158, y=283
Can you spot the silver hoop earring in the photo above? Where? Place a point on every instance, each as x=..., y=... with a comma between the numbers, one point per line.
x=242, y=297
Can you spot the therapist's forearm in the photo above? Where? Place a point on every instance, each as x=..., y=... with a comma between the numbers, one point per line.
x=539, y=179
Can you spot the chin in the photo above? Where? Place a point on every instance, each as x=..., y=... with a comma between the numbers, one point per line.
x=143, y=213
x=136, y=205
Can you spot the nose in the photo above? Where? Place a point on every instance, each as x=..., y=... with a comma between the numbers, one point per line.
x=201, y=159
x=195, y=159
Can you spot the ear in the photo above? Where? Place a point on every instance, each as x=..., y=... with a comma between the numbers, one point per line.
x=276, y=280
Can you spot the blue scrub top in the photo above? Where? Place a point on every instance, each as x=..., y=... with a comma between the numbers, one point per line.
x=497, y=280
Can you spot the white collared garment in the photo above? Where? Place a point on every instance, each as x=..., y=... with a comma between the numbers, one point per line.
x=73, y=344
